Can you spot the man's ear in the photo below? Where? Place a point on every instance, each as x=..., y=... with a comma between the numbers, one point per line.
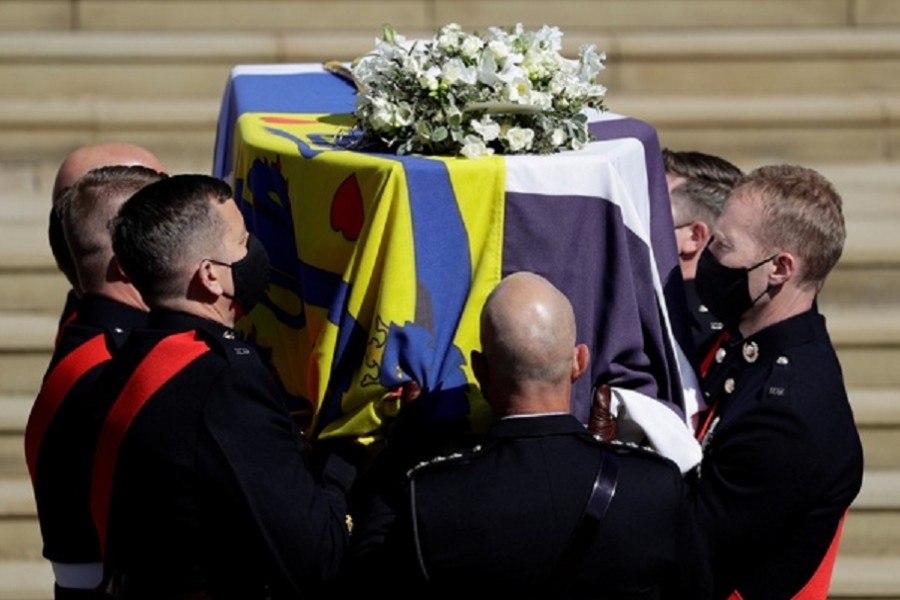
x=581, y=358
x=209, y=278
x=786, y=268
x=698, y=237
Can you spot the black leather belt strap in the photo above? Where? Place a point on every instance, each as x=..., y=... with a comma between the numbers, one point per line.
x=563, y=575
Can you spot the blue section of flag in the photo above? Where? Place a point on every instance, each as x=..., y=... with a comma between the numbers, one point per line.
x=294, y=93
x=424, y=350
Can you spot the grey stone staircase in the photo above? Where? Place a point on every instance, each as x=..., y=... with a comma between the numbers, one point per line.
x=815, y=82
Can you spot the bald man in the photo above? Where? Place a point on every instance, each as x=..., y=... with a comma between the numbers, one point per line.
x=60, y=435
x=73, y=167
x=541, y=508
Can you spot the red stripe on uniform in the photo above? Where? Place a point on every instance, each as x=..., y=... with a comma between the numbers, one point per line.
x=817, y=586
x=54, y=390
x=168, y=358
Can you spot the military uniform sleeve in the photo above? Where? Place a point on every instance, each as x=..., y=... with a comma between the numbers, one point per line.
x=751, y=481
x=252, y=439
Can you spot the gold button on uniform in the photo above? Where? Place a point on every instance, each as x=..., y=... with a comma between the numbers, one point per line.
x=720, y=355
x=729, y=385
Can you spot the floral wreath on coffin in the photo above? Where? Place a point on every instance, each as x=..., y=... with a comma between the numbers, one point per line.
x=509, y=91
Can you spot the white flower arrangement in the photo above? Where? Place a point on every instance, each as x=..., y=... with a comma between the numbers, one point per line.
x=509, y=91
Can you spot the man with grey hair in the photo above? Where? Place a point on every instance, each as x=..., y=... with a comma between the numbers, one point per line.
x=200, y=485
x=60, y=436
x=541, y=508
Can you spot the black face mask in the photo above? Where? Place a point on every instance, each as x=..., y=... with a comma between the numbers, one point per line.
x=250, y=275
x=726, y=290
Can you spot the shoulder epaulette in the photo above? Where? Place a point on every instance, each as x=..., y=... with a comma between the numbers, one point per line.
x=445, y=459
x=228, y=345
x=631, y=448
x=779, y=378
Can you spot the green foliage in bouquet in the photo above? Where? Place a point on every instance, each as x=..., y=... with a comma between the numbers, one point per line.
x=509, y=91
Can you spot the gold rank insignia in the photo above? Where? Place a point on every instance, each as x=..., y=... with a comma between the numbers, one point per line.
x=750, y=352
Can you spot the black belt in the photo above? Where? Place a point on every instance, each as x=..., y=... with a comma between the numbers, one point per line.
x=563, y=575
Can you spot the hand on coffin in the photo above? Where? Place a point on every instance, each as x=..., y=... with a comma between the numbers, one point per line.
x=602, y=422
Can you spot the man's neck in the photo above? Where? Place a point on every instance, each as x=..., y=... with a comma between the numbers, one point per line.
x=786, y=304
x=210, y=312
x=122, y=293
x=537, y=400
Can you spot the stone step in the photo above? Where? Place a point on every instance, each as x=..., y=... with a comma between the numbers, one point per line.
x=854, y=127
x=873, y=525
x=609, y=15
x=877, y=415
x=26, y=341
x=194, y=64
x=867, y=339
x=179, y=131
x=866, y=578
x=834, y=128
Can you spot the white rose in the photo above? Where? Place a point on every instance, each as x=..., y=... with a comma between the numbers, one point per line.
x=403, y=115
x=541, y=99
x=429, y=79
x=486, y=128
x=551, y=37
x=558, y=137
x=474, y=147
x=452, y=71
x=470, y=46
x=382, y=116
x=499, y=50
x=512, y=73
x=519, y=138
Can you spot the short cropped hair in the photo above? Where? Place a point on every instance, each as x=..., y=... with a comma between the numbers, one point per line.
x=699, y=200
x=699, y=165
x=708, y=181
x=88, y=208
x=802, y=213
x=57, y=237
x=165, y=230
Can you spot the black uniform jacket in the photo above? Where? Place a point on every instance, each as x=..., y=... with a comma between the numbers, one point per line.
x=62, y=475
x=782, y=459
x=211, y=489
x=705, y=328
x=495, y=521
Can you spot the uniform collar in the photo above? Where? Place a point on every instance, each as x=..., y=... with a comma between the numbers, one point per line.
x=99, y=311
x=174, y=321
x=775, y=339
x=537, y=425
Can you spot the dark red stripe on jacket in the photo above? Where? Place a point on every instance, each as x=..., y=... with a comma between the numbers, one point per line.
x=168, y=358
